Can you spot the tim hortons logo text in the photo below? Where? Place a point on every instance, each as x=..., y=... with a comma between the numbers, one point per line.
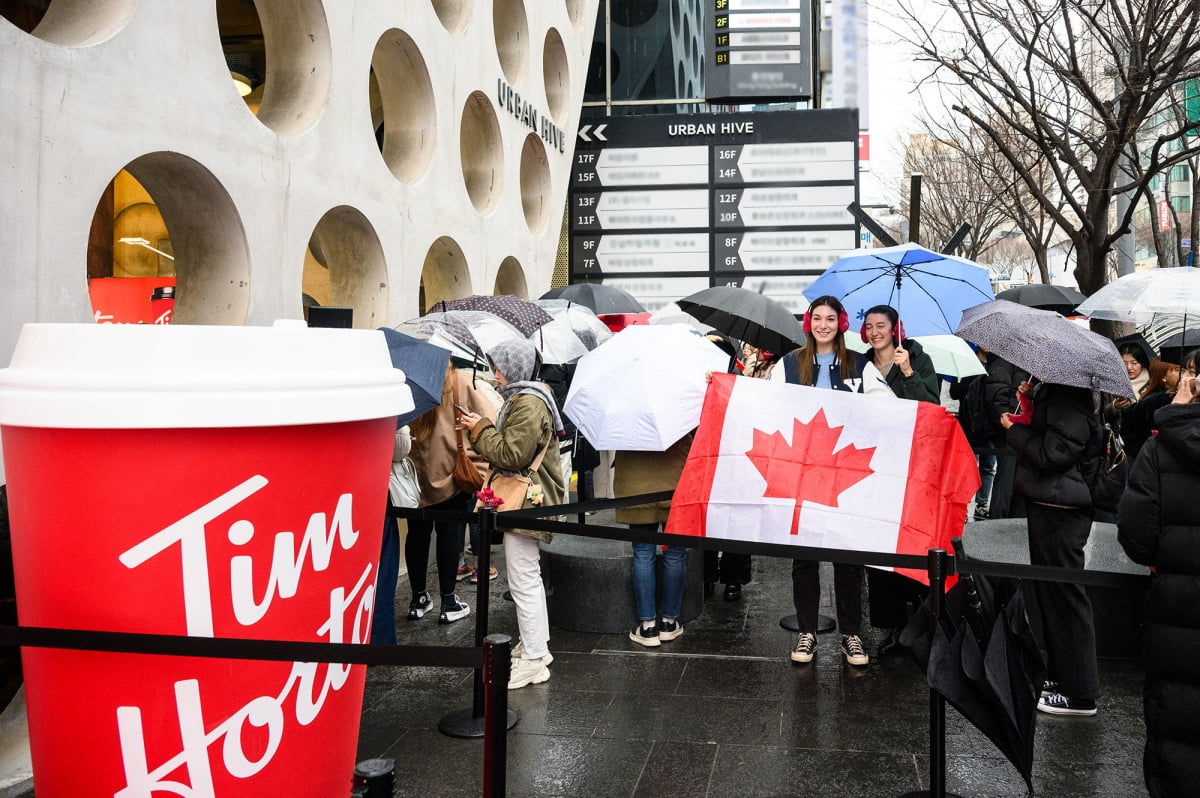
x=302, y=691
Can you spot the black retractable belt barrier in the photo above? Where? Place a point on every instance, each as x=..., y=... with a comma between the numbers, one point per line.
x=471, y=722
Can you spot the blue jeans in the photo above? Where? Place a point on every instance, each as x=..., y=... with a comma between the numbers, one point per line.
x=644, y=577
x=987, y=472
x=383, y=618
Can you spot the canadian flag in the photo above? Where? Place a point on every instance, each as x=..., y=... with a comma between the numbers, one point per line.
x=781, y=463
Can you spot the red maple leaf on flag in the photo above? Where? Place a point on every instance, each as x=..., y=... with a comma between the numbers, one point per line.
x=808, y=468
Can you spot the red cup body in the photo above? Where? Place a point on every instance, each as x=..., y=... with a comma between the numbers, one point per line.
x=268, y=533
x=161, y=309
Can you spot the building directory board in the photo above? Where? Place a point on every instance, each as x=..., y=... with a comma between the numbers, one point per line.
x=664, y=206
x=758, y=51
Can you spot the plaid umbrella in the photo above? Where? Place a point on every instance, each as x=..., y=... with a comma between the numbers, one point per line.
x=597, y=296
x=1047, y=345
x=746, y=315
x=520, y=313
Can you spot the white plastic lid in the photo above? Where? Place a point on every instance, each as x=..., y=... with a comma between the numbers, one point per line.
x=148, y=376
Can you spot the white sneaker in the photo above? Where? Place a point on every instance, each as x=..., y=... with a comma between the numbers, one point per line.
x=519, y=649
x=527, y=671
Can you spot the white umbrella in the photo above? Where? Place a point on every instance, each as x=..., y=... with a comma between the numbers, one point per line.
x=643, y=389
x=950, y=354
x=1139, y=297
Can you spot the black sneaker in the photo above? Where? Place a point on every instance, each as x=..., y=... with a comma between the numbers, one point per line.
x=420, y=605
x=1049, y=687
x=669, y=630
x=645, y=637
x=981, y=512
x=453, y=610
x=853, y=651
x=1059, y=704
x=806, y=647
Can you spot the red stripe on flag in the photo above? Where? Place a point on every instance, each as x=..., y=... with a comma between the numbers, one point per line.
x=689, y=507
x=942, y=478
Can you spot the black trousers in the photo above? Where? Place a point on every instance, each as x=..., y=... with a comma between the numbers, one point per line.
x=727, y=567
x=889, y=596
x=847, y=589
x=1057, y=536
x=449, y=546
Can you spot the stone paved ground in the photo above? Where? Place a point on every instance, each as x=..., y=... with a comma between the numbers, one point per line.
x=722, y=712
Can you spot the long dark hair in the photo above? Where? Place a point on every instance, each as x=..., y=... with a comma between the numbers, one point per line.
x=806, y=356
x=1158, y=377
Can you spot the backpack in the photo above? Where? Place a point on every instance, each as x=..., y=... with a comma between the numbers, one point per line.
x=973, y=411
x=1105, y=466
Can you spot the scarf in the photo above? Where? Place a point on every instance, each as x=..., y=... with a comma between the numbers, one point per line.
x=517, y=360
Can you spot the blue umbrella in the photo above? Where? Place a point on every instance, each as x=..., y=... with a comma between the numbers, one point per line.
x=928, y=289
x=424, y=367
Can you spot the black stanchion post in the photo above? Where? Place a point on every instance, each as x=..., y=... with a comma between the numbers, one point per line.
x=496, y=664
x=936, y=565
x=470, y=722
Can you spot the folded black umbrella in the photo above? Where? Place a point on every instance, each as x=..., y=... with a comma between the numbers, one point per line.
x=1175, y=346
x=985, y=662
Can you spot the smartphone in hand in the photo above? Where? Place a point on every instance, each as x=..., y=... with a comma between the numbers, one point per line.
x=461, y=409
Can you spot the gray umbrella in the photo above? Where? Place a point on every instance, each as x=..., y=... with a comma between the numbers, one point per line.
x=1047, y=345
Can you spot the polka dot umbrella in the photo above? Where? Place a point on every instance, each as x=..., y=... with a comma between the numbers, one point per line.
x=526, y=316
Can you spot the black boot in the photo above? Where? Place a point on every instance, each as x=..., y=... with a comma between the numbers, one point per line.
x=733, y=592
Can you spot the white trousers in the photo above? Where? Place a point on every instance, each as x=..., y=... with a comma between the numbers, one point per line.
x=523, y=567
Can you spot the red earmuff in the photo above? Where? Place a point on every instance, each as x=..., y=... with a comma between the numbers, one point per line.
x=897, y=333
x=843, y=323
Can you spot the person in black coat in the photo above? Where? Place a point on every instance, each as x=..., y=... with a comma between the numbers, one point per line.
x=1160, y=527
x=1053, y=452
x=1000, y=393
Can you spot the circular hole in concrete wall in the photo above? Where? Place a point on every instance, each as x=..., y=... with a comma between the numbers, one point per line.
x=72, y=23
x=633, y=13
x=675, y=18
x=535, y=184
x=510, y=279
x=480, y=152
x=444, y=275
x=575, y=12
x=512, y=38
x=345, y=244
x=556, y=75
x=406, y=105
x=286, y=50
x=167, y=216
x=453, y=14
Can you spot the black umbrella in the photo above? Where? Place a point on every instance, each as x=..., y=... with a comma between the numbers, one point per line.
x=1058, y=298
x=1175, y=346
x=597, y=296
x=746, y=315
x=984, y=661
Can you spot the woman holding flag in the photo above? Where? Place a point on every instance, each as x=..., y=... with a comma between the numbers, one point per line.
x=825, y=362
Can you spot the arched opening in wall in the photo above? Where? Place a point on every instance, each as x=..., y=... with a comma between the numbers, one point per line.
x=444, y=274
x=279, y=59
x=575, y=12
x=348, y=267
x=71, y=23
x=510, y=279
x=511, y=28
x=480, y=152
x=167, y=246
x=535, y=184
x=453, y=14
x=556, y=75
x=402, y=106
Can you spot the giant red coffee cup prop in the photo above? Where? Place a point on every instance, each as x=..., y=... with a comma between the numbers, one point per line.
x=207, y=481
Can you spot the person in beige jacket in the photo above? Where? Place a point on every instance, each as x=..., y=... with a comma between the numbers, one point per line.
x=434, y=448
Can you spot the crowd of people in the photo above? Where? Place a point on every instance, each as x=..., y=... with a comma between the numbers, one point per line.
x=1038, y=447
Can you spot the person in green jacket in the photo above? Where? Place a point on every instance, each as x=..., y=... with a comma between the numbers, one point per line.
x=527, y=425
x=909, y=372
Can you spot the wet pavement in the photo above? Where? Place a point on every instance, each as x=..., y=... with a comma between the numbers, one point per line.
x=722, y=711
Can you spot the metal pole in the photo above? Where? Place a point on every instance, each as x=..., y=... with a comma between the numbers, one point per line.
x=496, y=665
x=937, y=704
x=866, y=221
x=960, y=235
x=914, y=208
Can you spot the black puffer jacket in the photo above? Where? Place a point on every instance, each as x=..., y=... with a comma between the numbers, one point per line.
x=1001, y=391
x=1160, y=526
x=1051, y=449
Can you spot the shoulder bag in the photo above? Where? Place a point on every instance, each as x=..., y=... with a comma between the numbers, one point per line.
x=466, y=476
x=512, y=491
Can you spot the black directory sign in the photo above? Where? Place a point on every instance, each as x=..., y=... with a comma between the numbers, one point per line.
x=668, y=205
x=758, y=50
